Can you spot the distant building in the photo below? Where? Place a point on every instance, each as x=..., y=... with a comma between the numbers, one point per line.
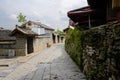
x=1, y=28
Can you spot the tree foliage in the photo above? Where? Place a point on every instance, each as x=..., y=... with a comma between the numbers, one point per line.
x=58, y=31
x=21, y=18
x=73, y=45
x=61, y=33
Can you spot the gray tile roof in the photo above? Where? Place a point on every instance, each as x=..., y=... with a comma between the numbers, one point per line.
x=5, y=35
x=39, y=24
x=24, y=30
x=43, y=25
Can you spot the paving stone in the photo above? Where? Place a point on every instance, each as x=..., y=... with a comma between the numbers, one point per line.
x=50, y=64
x=39, y=72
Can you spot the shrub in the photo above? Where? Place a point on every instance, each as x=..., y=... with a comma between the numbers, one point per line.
x=73, y=46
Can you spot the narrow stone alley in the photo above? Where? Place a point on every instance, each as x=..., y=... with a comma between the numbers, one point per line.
x=52, y=63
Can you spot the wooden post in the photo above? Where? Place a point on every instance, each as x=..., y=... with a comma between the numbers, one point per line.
x=89, y=21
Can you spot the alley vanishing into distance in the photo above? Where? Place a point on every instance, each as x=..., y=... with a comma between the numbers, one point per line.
x=52, y=63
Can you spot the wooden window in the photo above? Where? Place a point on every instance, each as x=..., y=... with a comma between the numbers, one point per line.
x=11, y=53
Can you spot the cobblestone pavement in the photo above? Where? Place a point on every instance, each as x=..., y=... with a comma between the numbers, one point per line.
x=50, y=64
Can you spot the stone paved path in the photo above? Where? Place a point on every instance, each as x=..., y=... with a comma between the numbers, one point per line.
x=50, y=64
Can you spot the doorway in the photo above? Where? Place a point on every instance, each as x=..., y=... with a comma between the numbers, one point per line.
x=58, y=37
x=53, y=37
x=29, y=45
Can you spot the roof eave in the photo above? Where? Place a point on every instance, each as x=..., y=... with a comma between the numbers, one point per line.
x=18, y=30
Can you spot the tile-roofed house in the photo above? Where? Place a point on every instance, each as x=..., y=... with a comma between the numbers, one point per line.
x=32, y=37
x=98, y=12
x=87, y=16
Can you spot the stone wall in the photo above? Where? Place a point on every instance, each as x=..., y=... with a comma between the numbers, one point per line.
x=101, y=52
x=41, y=43
x=97, y=49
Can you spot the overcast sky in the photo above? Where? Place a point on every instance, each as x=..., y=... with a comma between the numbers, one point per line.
x=50, y=12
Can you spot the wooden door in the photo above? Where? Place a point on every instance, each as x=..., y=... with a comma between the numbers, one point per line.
x=30, y=45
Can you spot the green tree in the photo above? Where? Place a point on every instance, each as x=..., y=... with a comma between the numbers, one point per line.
x=21, y=18
x=61, y=33
x=58, y=31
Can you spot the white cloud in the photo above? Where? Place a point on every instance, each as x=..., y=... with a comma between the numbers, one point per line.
x=13, y=16
x=72, y=4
